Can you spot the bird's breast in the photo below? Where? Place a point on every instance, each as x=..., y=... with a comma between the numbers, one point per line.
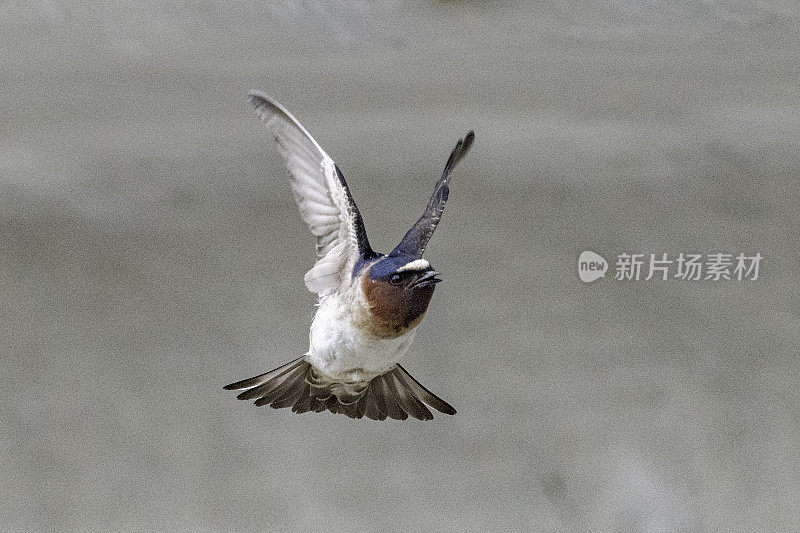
x=345, y=337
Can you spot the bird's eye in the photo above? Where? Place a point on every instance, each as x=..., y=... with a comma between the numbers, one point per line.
x=395, y=279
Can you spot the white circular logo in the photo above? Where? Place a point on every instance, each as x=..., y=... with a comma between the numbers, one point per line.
x=591, y=267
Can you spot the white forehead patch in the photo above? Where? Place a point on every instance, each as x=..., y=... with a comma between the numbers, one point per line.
x=416, y=264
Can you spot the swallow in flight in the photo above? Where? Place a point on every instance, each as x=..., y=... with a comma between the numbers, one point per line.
x=369, y=304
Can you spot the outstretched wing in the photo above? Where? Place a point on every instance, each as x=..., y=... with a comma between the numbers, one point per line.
x=416, y=239
x=322, y=195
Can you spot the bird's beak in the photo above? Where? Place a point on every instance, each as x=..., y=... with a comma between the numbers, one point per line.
x=428, y=278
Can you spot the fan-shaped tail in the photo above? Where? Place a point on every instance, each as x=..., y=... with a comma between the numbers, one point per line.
x=301, y=386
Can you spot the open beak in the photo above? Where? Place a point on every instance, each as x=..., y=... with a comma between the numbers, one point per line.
x=428, y=278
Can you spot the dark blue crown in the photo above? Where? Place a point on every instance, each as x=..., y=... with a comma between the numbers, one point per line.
x=383, y=266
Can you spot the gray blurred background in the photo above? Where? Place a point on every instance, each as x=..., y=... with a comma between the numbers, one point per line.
x=150, y=253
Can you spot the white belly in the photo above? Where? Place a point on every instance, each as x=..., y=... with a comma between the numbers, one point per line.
x=337, y=346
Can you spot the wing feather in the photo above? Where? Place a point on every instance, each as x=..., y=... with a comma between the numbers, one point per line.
x=416, y=239
x=321, y=194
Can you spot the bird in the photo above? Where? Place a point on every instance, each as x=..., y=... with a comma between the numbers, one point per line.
x=369, y=304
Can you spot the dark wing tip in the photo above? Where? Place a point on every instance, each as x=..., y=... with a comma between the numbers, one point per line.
x=262, y=103
x=460, y=150
x=469, y=139
x=257, y=98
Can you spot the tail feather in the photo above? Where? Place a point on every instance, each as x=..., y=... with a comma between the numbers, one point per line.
x=275, y=382
x=406, y=399
x=422, y=393
x=350, y=410
x=318, y=406
x=252, y=382
x=289, y=381
x=304, y=404
x=371, y=409
x=292, y=395
x=386, y=400
x=297, y=384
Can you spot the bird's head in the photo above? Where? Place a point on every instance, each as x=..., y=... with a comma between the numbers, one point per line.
x=398, y=289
